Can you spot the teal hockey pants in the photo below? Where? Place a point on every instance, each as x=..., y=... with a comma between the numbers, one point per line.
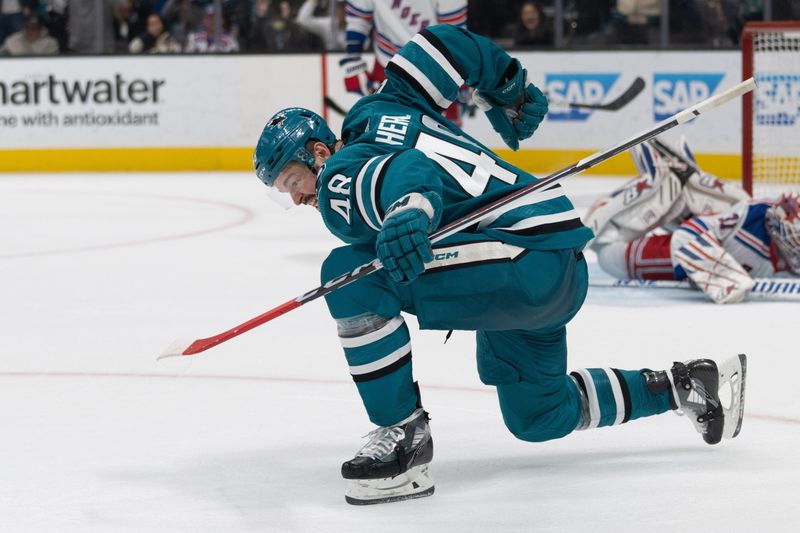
x=517, y=301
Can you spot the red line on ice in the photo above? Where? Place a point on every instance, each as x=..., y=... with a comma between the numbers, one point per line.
x=247, y=215
x=767, y=418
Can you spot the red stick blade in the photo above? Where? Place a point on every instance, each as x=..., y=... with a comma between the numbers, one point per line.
x=176, y=348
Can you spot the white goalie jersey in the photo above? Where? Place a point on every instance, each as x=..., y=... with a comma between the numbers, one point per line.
x=742, y=233
x=392, y=23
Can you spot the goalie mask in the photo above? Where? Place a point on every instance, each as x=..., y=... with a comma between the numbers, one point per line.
x=783, y=224
x=284, y=140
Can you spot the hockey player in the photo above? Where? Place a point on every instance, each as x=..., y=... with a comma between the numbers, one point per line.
x=398, y=172
x=674, y=222
x=391, y=24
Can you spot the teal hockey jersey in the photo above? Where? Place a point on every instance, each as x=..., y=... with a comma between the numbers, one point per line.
x=397, y=142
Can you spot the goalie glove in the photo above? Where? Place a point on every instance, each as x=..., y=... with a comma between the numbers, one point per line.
x=515, y=108
x=713, y=269
x=356, y=77
x=403, y=245
x=639, y=206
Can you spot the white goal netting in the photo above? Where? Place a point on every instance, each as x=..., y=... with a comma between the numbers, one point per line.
x=776, y=110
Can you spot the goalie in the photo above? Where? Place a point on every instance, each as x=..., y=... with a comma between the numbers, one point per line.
x=675, y=221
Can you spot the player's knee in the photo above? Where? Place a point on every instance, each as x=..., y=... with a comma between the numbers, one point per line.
x=539, y=419
x=543, y=427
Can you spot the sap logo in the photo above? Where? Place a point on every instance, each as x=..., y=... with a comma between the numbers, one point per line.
x=777, y=99
x=588, y=88
x=672, y=93
x=445, y=255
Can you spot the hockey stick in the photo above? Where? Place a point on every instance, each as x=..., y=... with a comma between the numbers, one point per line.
x=179, y=348
x=615, y=105
x=336, y=108
x=765, y=288
x=666, y=149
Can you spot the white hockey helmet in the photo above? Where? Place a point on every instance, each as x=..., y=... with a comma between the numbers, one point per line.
x=783, y=224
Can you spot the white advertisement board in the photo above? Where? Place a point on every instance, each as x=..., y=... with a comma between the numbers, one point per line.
x=125, y=102
x=673, y=81
x=203, y=104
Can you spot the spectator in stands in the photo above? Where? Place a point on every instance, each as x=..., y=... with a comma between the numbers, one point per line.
x=277, y=32
x=205, y=40
x=490, y=18
x=699, y=23
x=83, y=28
x=130, y=20
x=532, y=28
x=11, y=18
x=637, y=21
x=53, y=16
x=183, y=17
x=33, y=40
x=239, y=13
x=318, y=17
x=155, y=40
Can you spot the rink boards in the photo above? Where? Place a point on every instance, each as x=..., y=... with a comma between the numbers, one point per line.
x=206, y=112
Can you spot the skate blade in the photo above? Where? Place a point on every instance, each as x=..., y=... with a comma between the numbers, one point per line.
x=416, y=483
x=732, y=376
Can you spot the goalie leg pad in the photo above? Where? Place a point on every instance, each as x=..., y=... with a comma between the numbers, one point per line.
x=711, y=267
x=416, y=482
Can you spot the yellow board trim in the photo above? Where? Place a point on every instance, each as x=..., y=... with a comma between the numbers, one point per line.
x=214, y=158
x=126, y=159
x=545, y=161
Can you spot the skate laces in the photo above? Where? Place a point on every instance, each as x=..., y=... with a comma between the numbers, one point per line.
x=382, y=442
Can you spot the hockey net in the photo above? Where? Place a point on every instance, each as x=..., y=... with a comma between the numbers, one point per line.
x=771, y=114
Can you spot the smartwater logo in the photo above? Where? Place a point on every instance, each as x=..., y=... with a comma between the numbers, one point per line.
x=585, y=88
x=777, y=99
x=672, y=93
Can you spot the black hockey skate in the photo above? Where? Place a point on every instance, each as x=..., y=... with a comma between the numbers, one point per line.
x=393, y=465
x=694, y=389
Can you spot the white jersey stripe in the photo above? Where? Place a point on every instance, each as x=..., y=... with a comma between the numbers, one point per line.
x=539, y=197
x=541, y=220
x=474, y=252
x=613, y=380
x=383, y=362
x=427, y=85
x=591, y=394
x=439, y=58
x=373, y=185
x=360, y=195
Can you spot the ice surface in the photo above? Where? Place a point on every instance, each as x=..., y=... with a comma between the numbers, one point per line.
x=99, y=273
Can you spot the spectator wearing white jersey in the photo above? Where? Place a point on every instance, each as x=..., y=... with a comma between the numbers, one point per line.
x=324, y=25
x=204, y=40
x=390, y=24
x=32, y=40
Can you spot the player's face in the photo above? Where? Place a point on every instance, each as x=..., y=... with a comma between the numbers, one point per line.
x=299, y=182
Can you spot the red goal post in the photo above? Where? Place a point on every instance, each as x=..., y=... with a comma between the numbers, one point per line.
x=771, y=113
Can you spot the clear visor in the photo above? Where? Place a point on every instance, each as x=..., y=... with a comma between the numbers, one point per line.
x=283, y=199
